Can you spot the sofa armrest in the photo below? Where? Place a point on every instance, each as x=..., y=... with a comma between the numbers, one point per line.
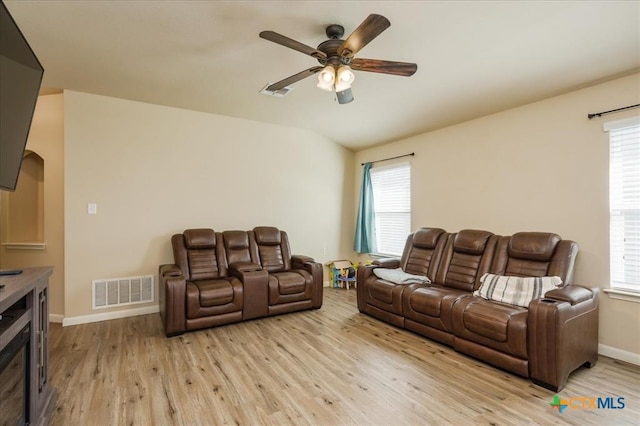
x=245, y=267
x=299, y=258
x=366, y=271
x=562, y=332
x=387, y=262
x=316, y=270
x=170, y=271
x=362, y=274
x=172, y=299
x=572, y=294
x=249, y=274
x=255, y=288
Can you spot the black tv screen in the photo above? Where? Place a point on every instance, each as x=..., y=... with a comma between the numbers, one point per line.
x=20, y=79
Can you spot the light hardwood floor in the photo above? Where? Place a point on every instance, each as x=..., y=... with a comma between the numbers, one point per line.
x=331, y=366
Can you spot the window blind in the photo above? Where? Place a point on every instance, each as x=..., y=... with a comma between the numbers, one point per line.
x=392, y=205
x=624, y=203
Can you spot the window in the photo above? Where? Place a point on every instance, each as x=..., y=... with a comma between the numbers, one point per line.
x=392, y=206
x=624, y=203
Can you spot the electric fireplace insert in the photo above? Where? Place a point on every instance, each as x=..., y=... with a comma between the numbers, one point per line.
x=14, y=380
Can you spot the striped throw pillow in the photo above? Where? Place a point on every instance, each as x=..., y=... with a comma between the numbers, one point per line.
x=519, y=291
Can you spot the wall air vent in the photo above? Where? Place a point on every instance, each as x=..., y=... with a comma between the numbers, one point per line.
x=280, y=93
x=122, y=291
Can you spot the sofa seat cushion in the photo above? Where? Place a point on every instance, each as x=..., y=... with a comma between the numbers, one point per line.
x=290, y=282
x=213, y=297
x=490, y=321
x=385, y=295
x=290, y=286
x=214, y=292
x=496, y=325
x=382, y=290
x=431, y=305
x=430, y=300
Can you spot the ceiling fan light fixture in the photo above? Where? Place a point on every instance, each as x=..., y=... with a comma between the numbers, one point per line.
x=326, y=78
x=345, y=96
x=344, y=78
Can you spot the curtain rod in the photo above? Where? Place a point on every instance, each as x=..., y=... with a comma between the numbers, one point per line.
x=390, y=158
x=600, y=114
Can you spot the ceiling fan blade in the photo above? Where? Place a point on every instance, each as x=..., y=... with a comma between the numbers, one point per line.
x=292, y=44
x=405, y=69
x=370, y=28
x=294, y=78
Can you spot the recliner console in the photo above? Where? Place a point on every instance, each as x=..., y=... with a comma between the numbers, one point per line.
x=225, y=277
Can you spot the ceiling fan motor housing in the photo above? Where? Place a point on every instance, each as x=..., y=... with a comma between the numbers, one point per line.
x=330, y=47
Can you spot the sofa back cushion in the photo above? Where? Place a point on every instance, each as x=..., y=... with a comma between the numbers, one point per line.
x=237, y=248
x=467, y=256
x=196, y=239
x=272, y=248
x=535, y=254
x=422, y=251
x=197, y=252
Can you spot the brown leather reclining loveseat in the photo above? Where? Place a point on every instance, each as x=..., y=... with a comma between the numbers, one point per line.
x=545, y=340
x=225, y=277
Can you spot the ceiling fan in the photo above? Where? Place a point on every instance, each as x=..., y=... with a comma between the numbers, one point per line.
x=336, y=57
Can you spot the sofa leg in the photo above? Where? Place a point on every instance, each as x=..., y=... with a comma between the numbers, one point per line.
x=547, y=385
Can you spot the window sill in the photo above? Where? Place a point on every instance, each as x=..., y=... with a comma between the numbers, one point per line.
x=629, y=296
x=24, y=246
x=385, y=256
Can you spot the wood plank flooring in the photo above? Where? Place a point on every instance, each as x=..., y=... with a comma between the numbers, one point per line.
x=332, y=366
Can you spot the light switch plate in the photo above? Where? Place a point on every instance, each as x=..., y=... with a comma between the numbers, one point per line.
x=92, y=208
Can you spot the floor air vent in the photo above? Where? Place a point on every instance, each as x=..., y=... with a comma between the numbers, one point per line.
x=122, y=291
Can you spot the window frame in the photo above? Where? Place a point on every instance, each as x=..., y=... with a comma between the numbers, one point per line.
x=616, y=290
x=380, y=252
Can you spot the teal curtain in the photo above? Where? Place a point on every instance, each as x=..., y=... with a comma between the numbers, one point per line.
x=365, y=238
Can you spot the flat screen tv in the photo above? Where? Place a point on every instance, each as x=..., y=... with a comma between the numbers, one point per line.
x=20, y=79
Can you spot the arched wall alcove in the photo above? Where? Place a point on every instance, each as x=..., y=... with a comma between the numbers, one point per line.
x=25, y=206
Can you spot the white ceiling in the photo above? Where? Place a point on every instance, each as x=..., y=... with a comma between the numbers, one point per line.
x=474, y=58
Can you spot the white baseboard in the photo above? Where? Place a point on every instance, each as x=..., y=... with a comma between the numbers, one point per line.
x=619, y=354
x=85, y=319
x=326, y=283
x=57, y=318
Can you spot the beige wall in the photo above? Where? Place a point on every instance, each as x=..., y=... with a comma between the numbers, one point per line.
x=540, y=167
x=154, y=171
x=46, y=138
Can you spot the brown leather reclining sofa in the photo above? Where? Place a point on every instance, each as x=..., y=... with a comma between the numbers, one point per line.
x=555, y=335
x=225, y=277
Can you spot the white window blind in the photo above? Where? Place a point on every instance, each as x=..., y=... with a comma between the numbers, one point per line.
x=624, y=203
x=392, y=205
